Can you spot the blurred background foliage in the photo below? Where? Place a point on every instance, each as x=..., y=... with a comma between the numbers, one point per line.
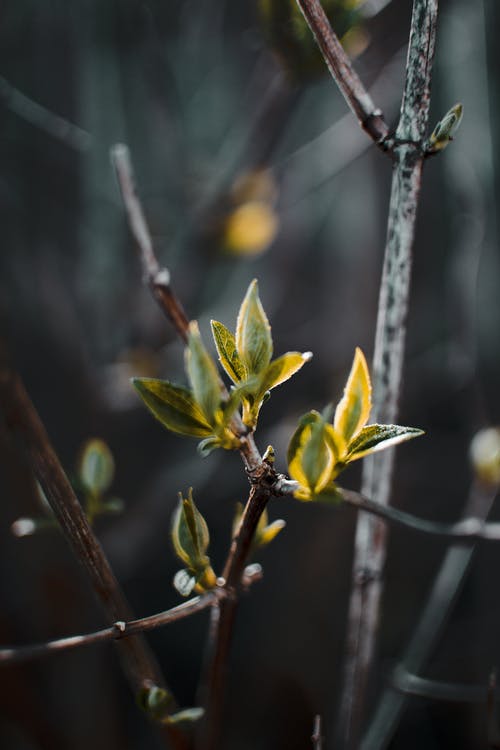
x=249, y=165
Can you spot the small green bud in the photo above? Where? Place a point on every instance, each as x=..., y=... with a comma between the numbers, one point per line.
x=445, y=129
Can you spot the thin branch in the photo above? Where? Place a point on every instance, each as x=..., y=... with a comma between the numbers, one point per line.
x=21, y=417
x=444, y=593
x=357, y=97
x=370, y=543
x=317, y=737
x=123, y=629
x=157, y=278
x=223, y=614
x=468, y=530
x=411, y=684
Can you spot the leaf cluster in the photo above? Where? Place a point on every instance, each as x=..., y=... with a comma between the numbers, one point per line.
x=319, y=449
x=205, y=409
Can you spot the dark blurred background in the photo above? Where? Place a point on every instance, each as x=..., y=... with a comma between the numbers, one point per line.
x=249, y=165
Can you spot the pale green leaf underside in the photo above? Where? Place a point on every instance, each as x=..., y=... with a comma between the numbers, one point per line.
x=174, y=406
x=228, y=354
x=377, y=437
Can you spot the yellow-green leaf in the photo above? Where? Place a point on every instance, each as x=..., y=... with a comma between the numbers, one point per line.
x=190, y=535
x=354, y=408
x=377, y=437
x=97, y=466
x=228, y=354
x=282, y=368
x=202, y=374
x=253, y=333
x=270, y=531
x=174, y=406
x=311, y=459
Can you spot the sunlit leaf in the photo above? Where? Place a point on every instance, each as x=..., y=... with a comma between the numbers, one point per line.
x=311, y=460
x=377, y=437
x=317, y=459
x=296, y=445
x=282, y=368
x=202, y=375
x=253, y=333
x=96, y=467
x=173, y=406
x=228, y=355
x=354, y=408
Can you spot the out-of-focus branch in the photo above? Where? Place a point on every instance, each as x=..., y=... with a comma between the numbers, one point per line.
x=467, y=531
x=123, y=629
x=157, y=278
x=370, y=542
x=445, y=591
x=317, y=737
x=22, y=419
x=357, y=97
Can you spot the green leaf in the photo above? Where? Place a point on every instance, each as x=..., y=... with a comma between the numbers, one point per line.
x=253, y=333
x=186, y=716
x=228, y=354
x=311, y=460
x=446, y=128
x=354, y=408
x=97, y=467
x=173, y=406
x=377, y=437
x=155, y=701
x=202, y=375
x=282, y=368
x=190, y=534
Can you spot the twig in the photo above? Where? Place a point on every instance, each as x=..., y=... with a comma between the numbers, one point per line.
x=317, y=737
x=21, y=417
x=41, y=117
x=411, y=684
x=370, y=543
x=223, y=615
x=157, y=278
x=468, y=530
x=445, y=590
x=123, y=629
x=357, y=97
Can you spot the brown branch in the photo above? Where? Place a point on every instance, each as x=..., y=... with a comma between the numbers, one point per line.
x=21, y=417
x=262, y=476
x=123, y=629
x=370, y=543
x=223, y=614
x=157, y=278
x=357, y=97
